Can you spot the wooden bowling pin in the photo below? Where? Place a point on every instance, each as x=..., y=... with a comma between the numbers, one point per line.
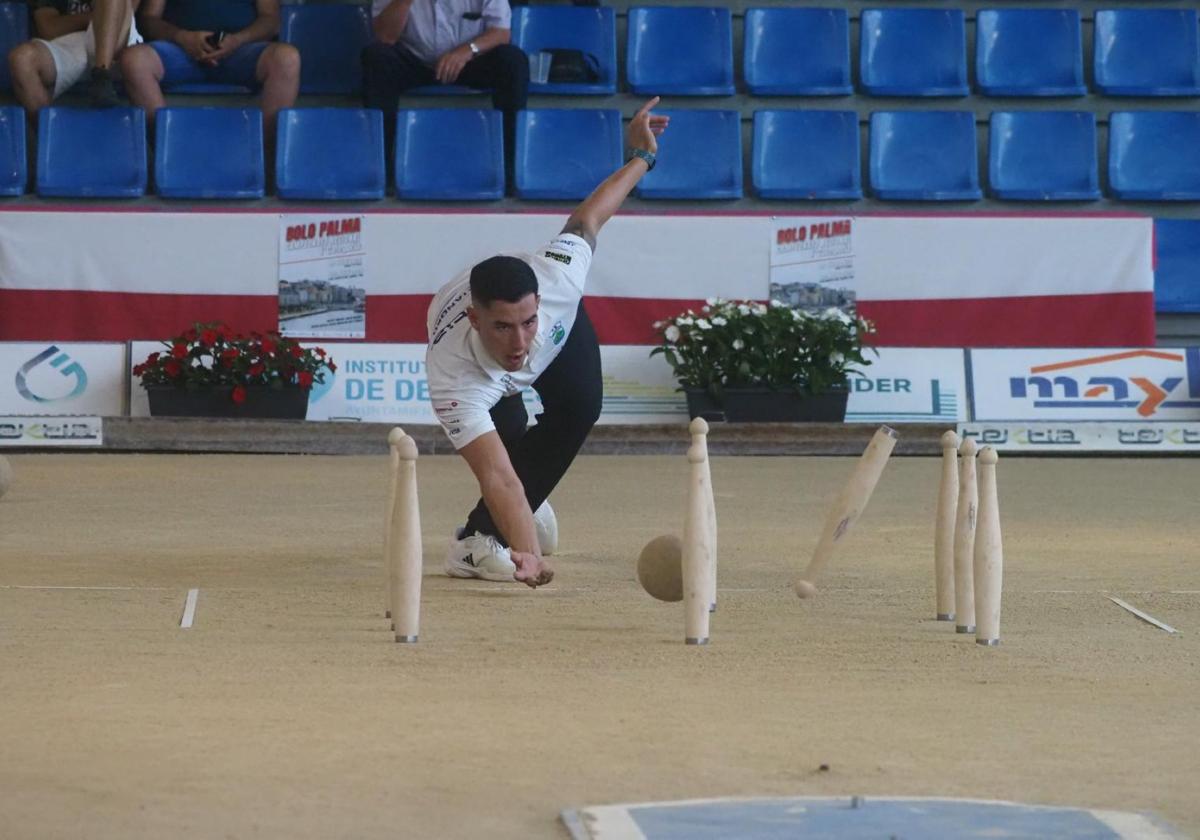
x=989, y=554
x=943, y=539
x=964, y=540
x=393, y=477
x=697, y=551
x=404, y=542
x=699, y=429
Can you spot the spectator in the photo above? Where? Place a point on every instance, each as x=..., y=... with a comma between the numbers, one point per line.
x=72, y=36
x=215, y=42
x=423, y=42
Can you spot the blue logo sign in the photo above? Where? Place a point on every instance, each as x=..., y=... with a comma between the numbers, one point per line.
x=56, y=359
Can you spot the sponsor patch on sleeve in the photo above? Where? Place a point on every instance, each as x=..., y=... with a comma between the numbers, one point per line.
x=565, y=259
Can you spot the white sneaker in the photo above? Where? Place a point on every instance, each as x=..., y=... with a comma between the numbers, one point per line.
x=478, y=556
x=547, y=528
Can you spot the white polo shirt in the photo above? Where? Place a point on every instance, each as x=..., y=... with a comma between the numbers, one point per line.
x=465, y=382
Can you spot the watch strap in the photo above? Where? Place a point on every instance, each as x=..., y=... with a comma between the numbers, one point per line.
x=649, y=157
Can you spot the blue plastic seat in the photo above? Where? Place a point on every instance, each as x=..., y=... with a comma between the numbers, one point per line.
x=924, y=156
x=1029, y=52
x=329, y=153
x=682, y=50
x=330, y=39
x=209, y=153
x=91, y=153
x=565, y=153
x=1147, y=52
x=700, y=157
x=449, y=154
x=1154, y=155
x=913, y=52
x=1043, y=156
x=806, y=154
x=593, y=30
x=14, y=29
x=797, y=52
x=1177, y=265
x=14, y=171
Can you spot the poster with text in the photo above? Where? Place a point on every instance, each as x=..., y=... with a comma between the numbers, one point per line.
x=812, y=262
x=322, y=269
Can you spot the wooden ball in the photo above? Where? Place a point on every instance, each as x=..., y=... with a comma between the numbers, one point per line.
x=5, y=475
x=660, y=568
x=804, y=589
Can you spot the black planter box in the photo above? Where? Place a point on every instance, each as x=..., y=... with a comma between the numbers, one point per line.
x=267, y=403
x=762, y=405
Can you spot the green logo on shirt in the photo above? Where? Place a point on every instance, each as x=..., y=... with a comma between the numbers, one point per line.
x=557, y=333
x=562, y=258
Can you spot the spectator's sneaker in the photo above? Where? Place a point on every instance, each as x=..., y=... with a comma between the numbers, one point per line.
x=478, y=556
x=547, y=528
x=101, y=90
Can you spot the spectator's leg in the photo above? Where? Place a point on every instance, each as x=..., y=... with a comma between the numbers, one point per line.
x=388, y=71
x=142, y=68
x=505, y=70
x=111, y=21
x=33, y=75
x=278, y=72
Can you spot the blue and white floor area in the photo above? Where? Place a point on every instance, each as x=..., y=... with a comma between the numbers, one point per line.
x=857, y=818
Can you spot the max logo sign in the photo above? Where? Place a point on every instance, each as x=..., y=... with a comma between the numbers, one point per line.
x=1068, y=385
x=58, y=360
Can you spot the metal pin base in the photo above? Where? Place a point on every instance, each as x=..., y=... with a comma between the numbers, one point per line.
x=987, y=642
x=964, y=628
x=712, y=608
x=693, y=641
x=406, y=640
x=945, y=616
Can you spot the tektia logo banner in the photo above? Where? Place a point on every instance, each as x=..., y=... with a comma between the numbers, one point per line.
x=59, y=360
x=1068, y=385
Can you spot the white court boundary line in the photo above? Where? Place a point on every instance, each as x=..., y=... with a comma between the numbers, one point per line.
x=1146, y=617
x=189, y=609
x=96, y=588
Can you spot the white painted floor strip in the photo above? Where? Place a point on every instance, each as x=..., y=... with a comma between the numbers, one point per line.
x=1149, y=619
x=93, y=588
x=189, y=609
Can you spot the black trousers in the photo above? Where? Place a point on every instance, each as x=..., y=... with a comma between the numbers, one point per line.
x=390, y=69
x=572, y=392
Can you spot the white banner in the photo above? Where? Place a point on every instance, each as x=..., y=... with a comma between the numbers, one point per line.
x=1138, y=384
x=61, y=378
x=322, y=272
x=51, y=430
x=1130, y=438
x=909, y=385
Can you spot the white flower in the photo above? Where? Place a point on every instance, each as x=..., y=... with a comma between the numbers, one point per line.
x=799, y=314
x=685, y=321
x=719, y=321
x=703, y=324
x=738, y=344
x=837, y=358
x=775, y=304
x=759, y=309
x=743, y=309
x=658, y=325
x=835, y=314
x=671, y=334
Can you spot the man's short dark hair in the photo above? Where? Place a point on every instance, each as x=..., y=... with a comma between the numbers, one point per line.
x=502, y=278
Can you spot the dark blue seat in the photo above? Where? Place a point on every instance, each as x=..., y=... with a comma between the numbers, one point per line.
x=14, y=29
x=1154, y=155
x=806, y=154
x=329, y=153
x=1043, y=156
x=797, y=52
x=701, y=157
x=913, y=52
x=924, y=156
x=683, y=50
x=14, y=171
x=209, y=153
x=449, y=154
x=565, y=153
x=1177, y=265
x=592, y=30
x=1147, y=52
x=1029, y=52
x=91, y=153
x=330, y=39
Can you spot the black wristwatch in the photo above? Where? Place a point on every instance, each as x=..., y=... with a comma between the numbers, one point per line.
x=644, y=155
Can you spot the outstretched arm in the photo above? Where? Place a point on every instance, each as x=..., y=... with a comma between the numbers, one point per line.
x=607, y=198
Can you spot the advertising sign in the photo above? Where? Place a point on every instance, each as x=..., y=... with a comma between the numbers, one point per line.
x=61, y=379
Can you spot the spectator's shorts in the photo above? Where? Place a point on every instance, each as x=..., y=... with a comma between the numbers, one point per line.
x=74, y=53
x=240, y=68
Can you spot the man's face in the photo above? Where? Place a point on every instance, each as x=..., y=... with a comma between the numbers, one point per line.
x=507, y=329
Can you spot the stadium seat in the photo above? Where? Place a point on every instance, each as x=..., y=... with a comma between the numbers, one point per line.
x=913, y=52
x=1177, y=265
x=14, y=171
x=14, y=29
x=797, y=52
x=209, y=153
x=91, y=153
x=590, y=29
x=329, y=153
x=1029, y=52
x=566, y=153
x=330, y=39
x=449, y=154
x=701, y=157
x=1154, y=155
x=682, y=50
x=1147, y=52
x=1043, y=156
x=806, y=154
x=924, y=156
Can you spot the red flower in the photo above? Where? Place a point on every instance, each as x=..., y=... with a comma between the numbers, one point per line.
x=230, y=353
x=306, y=379
x=208, y=338
x=138, y=370
x=225, y=331
x=179, y=351
x=268, y=346
x=332, y=366
x=320, y=352
x=190, y=335
x=153, y=360
x=239, y=394
x=172, y=368
x=256, y=369
x=296, y=351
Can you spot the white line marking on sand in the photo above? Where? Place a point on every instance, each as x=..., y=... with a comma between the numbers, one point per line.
x=1149, y=619
x=92, y=588
x=189, y=609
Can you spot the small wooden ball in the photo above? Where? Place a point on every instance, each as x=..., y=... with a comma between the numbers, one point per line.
x=660, y=568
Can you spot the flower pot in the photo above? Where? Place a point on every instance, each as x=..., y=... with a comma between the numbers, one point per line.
x=701, y=403
x=763, y=405
x=272, y=403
